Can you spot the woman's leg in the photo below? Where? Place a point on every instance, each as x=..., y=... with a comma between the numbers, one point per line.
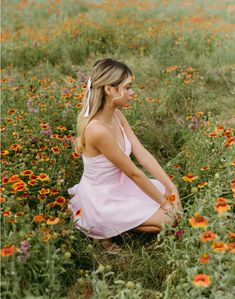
x=155, y=222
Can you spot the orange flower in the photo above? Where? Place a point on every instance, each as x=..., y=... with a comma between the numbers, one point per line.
x=41, y=196
x=44, y=191
x=232, y=184
x=6, y=213
x=230, y=141
x=75, y=155
x=43, y=177
x=54, y=191
x=15, y=147
x=202, y=280
x=32, y=182
x=4, y=153
x=202, y=184
x=207, y=236
x=204, y=258
x=2, y=199
x=5, y=180
x=60, y=200
x=14, y=178
x=53, y=220
x=33, y=177
x=219, y=246
x=233, y=163
x=61, y=128
x=171, y=197
x=203, y=168
x=199, y=114
x=231, y=234
x=18, y=186
x=78, y=105
x=26, y=172
x=55, y=149
x=221, y=205
x=231, y=247
x=211, y=135
x=51, y=204
x=198, y=221
x=8, y=250
x=78, y=213
x=189, y=178
x=38, y=218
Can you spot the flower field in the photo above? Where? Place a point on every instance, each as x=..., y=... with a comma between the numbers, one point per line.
x=182, y=54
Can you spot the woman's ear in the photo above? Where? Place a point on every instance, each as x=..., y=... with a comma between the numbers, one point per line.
x=107, y=89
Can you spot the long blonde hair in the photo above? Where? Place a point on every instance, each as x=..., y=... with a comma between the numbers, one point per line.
x=104, y=72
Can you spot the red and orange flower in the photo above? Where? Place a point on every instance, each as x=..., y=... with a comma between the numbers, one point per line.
x=26, y=172
x=202, y=280
x=204, y=258
x=222, y=205
x=39, y=218
x=43, y=177
x=198, y=221
x=219, y=246
x=171, y=197
x=8, y=250
x=189, y=178
x=231, y=247
x=202, y=184
x=52, y=220
x=207, y=236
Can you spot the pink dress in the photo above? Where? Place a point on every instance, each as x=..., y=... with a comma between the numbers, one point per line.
x=106, y=201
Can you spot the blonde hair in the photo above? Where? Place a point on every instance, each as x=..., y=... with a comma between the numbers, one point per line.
x=104, y=72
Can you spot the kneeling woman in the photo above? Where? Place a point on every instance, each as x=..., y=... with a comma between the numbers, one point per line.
x=114, y=195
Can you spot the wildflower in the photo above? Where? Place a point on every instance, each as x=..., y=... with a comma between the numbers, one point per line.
x=75, y=155
x=4, y=153
x=202, y=184
x=33, y=177
x=61, y=128
x=32, y=182
x=179, y=233
x=232, y=184
x=18, y=186
x=211, y=135
x=54, y=191
x=6, y=213
x=43, y=177
x=41, y=196
x=38, y=218
x=221, y=205
x=60, y=200
x=207, y=236
x=233, y=163
x=24, y=246
x=204, y=258
x=171, y=197
x=231, y=234
x=230, y=141
x=44, y=191
x=199, y=114
x=5, y=180
x=55, y=149
x=8, y=250
x=2, y=199
x=198, y=221
x=79, y=105
x=14, y=178
x=52, y=220
x=189, y=178
x=203, y=168
x=202, y=280
x=26, y=172
x=219, y=246
x=15, y=147
x=231, y=247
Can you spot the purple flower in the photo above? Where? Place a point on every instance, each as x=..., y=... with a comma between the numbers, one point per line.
x=179, y=233
x=24, y=245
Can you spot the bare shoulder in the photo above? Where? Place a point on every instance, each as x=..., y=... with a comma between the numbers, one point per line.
x=96, y=131
x=121, y=117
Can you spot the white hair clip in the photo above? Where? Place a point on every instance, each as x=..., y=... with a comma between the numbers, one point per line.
x=88, y=98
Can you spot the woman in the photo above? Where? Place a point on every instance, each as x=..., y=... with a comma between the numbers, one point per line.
x=113, y=195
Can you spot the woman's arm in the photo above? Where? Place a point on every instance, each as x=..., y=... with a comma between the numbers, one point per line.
x=101, y=138
x=144, y=157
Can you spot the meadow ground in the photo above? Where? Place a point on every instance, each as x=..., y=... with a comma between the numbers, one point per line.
x=182, y=54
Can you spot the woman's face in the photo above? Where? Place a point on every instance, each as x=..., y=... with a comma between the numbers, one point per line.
x=124, y=93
